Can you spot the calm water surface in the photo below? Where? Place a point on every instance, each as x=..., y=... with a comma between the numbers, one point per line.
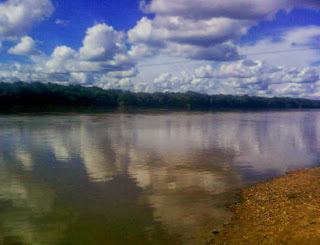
x=140, y=178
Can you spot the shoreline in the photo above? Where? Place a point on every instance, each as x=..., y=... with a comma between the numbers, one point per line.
x=282, y=210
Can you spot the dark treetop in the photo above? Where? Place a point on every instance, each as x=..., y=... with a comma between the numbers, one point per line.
x=32, y=97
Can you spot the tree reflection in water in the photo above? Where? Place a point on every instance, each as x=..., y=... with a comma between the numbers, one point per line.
x=157, y=178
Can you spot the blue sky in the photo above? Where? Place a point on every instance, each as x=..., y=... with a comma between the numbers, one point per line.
x=82, y=14
x=165, y=45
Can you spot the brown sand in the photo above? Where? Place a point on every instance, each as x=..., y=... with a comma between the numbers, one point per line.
x=284, y=210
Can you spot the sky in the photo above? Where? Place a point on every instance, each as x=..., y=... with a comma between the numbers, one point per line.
x=255, y=47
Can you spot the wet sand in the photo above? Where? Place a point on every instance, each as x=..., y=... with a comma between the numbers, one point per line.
x=283, y=210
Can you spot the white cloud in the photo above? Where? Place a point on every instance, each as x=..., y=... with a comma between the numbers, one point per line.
x=62, y=22
x=142, y=51
x=180, y=30
x=27, y=46
x=194, y=39
x=123, y=74
x=218, y=52
x=291, y=89
x=78, y=77
x=18, y=16
x=186, y=31
x=242, y=77
x=144, y=32
x=244, y=9
x=151, y=67
x=106, y=82
x=103, y=52
x=203, y=32
x=62, y=60
x=17, y=72
x=101, y=43
x=205, y=29
x=300, y=39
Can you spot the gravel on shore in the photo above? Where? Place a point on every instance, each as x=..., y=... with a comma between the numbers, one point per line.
x=283, y=210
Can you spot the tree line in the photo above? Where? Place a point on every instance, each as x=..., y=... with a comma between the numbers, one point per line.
x=37, y=96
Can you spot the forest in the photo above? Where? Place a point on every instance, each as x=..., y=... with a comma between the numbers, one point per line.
x=42, y=97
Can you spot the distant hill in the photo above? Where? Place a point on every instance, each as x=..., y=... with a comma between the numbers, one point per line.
x=32, y=97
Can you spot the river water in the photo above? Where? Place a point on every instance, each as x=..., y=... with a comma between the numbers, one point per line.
x=153, y=178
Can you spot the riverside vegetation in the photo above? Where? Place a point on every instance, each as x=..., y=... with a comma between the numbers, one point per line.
x=37, y=96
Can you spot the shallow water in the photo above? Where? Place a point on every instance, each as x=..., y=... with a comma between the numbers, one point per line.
x=140, y=178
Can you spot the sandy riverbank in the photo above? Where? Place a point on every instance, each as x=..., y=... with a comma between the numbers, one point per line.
x=284, y=210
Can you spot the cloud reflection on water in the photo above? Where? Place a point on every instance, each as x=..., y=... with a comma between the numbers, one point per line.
x=184, y=163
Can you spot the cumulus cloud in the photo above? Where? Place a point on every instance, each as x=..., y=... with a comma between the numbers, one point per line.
x=18, y=72
x=103, y=54
x=18, y=16
x=252, y=77
x=302, y=39
x=144, y=32
x=102, y=42
x=194, y=39
x=78, y=77
x=27, y=46
x=219, y=52
x=106, y=82
x=62, y=60
x=292, y=89
x=203, y=30
x=235, y=9
x=65, y=61
x=200, y=29
x=203, y=39
x=183, y=36
x=142, y=51
x=123, y=74
x=185, y=31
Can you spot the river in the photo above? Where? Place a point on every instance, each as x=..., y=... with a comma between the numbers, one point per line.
x=145, y=178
